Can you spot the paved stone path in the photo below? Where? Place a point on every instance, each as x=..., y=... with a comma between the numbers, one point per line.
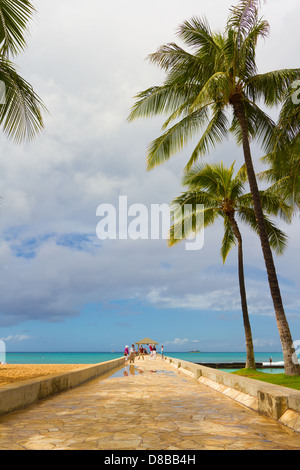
x=152, y=408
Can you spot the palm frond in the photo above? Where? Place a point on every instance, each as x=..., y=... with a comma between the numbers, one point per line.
x=188, y=218
x=205, y=177
x=192, y=197
x=243, y=17
x=173, y=140
x=228, y=241
x=277, y=238
x=14, y=18
x=284, y=172
x=242, y=174
x=159, y=100
x=261, y=127
x=170, y=56
x=272, y=203
x=246, y=54
x=272, y=87
x=289, y=188
x=216, y=89
x=196, y=33
x=213, y=134
x=21, y=115
x=288, y=125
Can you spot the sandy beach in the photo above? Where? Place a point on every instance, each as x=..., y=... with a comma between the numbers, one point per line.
x=11, y=373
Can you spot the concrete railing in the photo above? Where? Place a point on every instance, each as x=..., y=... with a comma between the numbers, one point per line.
x=22, y=394
x=277, y=402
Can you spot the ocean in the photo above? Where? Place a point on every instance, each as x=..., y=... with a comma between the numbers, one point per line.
x=227, y=357
x=96, y=357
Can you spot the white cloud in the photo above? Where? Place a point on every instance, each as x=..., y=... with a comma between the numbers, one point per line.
x=268, y=343
x=218, y=300
x=181, y=341
x=15, y=338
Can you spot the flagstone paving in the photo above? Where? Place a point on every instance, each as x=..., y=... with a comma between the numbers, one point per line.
x=152, y=408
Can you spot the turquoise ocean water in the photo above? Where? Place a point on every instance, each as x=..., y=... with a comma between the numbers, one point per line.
x=96, y=357
x=227, y=357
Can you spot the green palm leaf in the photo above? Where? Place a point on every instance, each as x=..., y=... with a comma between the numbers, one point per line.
x=261, y=127
x=272, y=87
x=159, y=100
x=285, y=177
x=20, y=116
x=197, y=34
x=277, y=238
x=14, y=18
x=244, y=16
x=174, y=139
x=228, y=241
x=214, y=133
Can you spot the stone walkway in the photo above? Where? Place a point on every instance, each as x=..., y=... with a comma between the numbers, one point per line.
x=152, y=408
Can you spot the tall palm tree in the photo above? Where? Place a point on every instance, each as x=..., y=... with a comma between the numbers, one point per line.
x=212, y=89
x=217, y=193
x=21, y=112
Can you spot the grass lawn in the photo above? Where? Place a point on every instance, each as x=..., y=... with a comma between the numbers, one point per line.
x=276, y=379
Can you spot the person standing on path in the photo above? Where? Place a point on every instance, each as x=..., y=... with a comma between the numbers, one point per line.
x=132, y=353
x=141, y=352
x=126, y=353
x=162, y=352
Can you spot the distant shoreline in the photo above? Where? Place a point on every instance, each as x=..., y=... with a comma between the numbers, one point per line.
x=121, y=352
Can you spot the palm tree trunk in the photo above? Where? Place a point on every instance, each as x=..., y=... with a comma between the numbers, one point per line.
x=250, y=359
x=291, y=368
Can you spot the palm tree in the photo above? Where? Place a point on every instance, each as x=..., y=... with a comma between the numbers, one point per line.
x=21, y=113
x=219, y=194
x=213, y=88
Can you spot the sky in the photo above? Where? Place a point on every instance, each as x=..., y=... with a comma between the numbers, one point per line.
x=64, y=289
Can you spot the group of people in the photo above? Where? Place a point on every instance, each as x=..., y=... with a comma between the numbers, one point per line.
x=130, y=353
x=152, y=351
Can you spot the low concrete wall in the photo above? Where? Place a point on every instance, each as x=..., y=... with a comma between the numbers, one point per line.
x=22, y=394
x=276, y=402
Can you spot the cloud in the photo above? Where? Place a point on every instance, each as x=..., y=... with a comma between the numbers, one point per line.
x=15, y=338
x=218, y=300
x=68, y=271
x=268, y=343
x=181, y=341
x=208, y=295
